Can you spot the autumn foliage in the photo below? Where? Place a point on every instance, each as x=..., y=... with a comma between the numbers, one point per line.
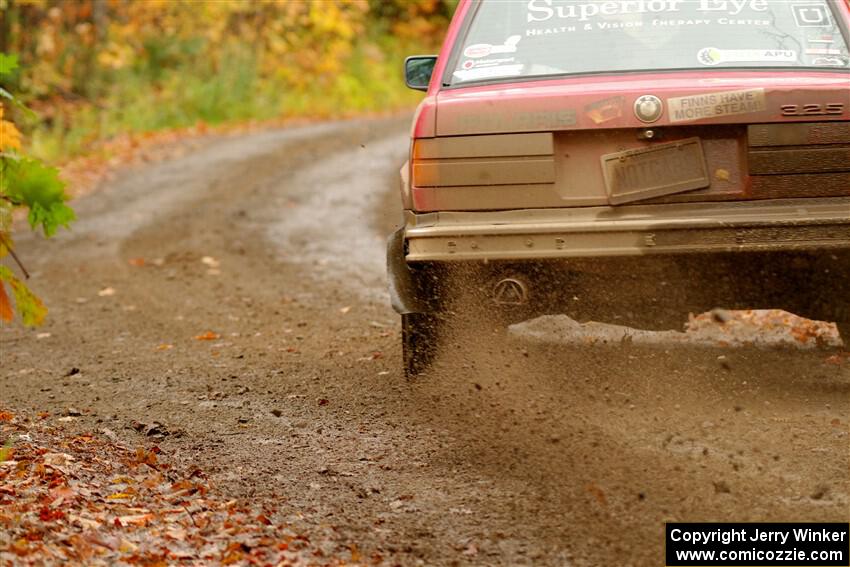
x=97, y=68
x=93, y=71
x=26, y=184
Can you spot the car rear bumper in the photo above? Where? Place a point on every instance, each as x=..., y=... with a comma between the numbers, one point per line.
x=780, y=225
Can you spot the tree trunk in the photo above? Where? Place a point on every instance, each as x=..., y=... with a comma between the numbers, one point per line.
x=9, y=14
x=100, y=18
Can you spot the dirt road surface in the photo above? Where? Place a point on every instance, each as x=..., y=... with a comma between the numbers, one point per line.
x=510, y=453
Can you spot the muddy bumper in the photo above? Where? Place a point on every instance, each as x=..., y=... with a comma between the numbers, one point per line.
x=662, y=235
x=629, y=231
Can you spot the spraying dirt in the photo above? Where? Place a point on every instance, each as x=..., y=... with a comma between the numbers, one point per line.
x=232, y=301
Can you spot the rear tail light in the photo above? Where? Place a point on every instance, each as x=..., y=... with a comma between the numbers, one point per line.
x=469, y=161
x=805, y=159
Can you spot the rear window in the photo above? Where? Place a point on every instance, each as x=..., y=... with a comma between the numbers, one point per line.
x=526, y=38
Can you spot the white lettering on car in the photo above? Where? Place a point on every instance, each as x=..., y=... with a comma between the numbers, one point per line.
x=545, y=10
x=732, y=7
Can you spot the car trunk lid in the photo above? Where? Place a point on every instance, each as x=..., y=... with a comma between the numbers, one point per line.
x=563, y=142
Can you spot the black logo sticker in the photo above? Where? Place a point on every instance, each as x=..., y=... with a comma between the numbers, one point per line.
x=812, y=15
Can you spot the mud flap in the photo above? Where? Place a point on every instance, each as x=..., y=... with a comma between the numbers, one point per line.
x=402, y=286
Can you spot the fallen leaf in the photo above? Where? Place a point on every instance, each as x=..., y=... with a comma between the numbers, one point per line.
x=119, y=496
x=838, y=359
x=597, y=493
x=57, y=459
x=6, y=312
x=175, y=533
x=61, y=494
x=86, y=523
x=135, y=519
x=20, y=547
x=165, y=346
x=128, y=546
x=355, y=553
x=50, y=514
x=208, y=336
x=137, y=262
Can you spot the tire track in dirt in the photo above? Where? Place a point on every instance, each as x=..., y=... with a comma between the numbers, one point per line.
x=335, y=238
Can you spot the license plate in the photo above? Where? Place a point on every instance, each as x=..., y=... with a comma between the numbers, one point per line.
x=658, y=170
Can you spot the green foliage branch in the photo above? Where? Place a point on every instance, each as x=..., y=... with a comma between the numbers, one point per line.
x=25, y=183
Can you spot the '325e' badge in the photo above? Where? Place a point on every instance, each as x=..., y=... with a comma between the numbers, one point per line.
x=828, y=109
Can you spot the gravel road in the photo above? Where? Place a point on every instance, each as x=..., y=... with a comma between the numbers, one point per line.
x=512, y=452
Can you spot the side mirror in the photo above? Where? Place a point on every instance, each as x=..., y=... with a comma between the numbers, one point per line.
x=418, y=70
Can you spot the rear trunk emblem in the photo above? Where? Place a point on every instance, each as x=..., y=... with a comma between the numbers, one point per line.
x=510, y=291
x=648, y=108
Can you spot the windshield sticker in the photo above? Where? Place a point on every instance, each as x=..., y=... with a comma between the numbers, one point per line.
x=714, y=56
x=822, y=51
x=825, y=38
x=485, y=49
x=811, y=15
x=605, y=110
x=829, y=62
x=713, y=105
x=479, y=73
x=478, y=50
x=563, y=37
x=478, y=63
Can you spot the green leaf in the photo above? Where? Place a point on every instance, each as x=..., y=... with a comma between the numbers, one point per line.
x=8, y=64
x=59, y=214
x=29, y=306
x=38, y=187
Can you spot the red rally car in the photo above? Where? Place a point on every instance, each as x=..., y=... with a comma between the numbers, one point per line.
x=627, y=160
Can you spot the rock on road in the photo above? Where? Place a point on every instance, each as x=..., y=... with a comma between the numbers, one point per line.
x=270, y=245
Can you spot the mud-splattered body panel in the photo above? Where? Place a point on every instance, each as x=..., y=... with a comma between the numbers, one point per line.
x=718, y=149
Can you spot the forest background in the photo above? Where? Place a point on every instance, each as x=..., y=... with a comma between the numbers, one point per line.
x=93, y=70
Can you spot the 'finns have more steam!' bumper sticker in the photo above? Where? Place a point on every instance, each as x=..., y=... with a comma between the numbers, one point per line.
x=713, y=105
